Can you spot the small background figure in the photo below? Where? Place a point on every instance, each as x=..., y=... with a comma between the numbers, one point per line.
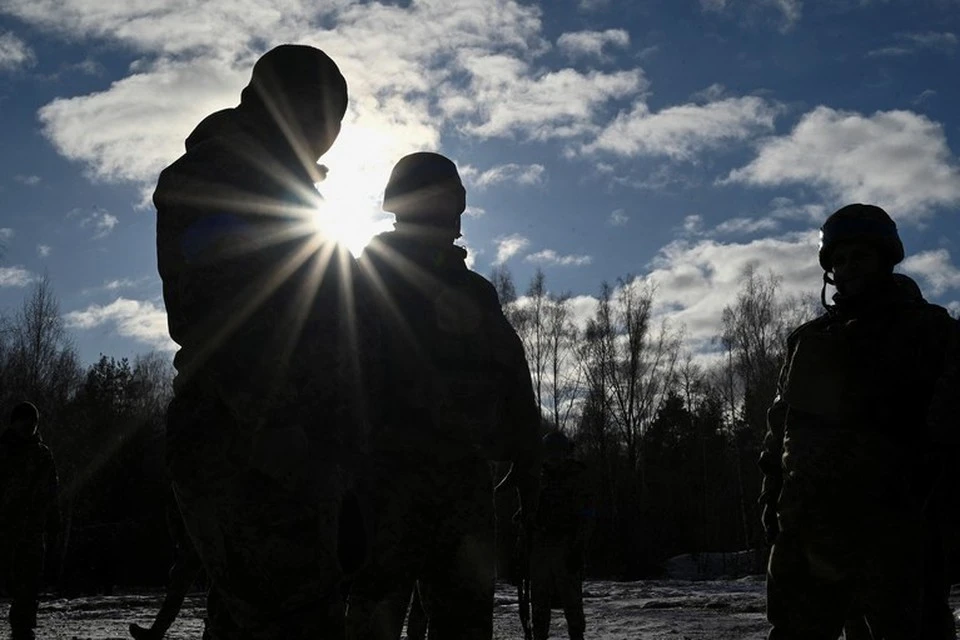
x=563, y=525
x=29, y=516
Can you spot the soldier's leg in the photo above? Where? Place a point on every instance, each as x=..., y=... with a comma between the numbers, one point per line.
x=545, y=557
x=892, y=586
x=267, y=538
x=459, y=576
x=571, y=595
x=26, y=574
x=380, y=593
x=271, y=560
x=803, y=601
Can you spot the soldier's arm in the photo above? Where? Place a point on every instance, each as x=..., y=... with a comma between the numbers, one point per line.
x=219, y=269
x=771, y=454
x=943, y=416
x=523, y=415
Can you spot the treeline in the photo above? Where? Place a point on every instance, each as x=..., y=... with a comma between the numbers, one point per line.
x=672, y=440
x=103, y=424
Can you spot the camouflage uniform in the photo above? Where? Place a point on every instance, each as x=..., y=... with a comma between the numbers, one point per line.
x=28, y=513
x=458, y=394
x=864, y=410
x=563, y=524
x=268, y=395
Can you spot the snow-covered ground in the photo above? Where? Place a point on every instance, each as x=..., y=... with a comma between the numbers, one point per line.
x=644, y=610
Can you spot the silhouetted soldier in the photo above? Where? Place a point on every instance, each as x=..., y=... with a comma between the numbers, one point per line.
x=183, y=574
x=864, y=419
x=266, y=407
x=562, y=527
x=457, y=394
x=29, y=515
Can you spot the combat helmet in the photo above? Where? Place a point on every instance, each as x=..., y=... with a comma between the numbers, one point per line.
x=425, y=187
x=862, y=222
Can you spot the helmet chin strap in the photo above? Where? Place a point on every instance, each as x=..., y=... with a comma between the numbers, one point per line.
x=823, y=291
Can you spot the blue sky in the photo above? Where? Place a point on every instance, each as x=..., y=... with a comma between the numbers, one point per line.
x=675, y=140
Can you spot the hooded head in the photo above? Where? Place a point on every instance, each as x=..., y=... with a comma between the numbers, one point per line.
x=425, y=189
x=24, y=419
x=300, y=90
x=556, y=448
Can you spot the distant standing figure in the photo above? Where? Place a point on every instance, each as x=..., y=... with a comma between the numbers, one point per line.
x=859, y=436
x=560, y=533
x=29, y=515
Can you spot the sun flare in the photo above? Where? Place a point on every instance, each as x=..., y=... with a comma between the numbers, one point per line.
x=349, y=210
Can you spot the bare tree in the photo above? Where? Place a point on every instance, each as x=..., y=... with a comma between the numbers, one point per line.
x=636, y=366
x=42, y=362
x=564, y=383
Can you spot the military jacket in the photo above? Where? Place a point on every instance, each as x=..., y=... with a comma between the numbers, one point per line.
x=867, y=397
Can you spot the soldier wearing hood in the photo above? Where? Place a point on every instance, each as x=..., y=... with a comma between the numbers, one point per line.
x=457, y=394
x=29, y=515
x=863, y=422
x=267, y=408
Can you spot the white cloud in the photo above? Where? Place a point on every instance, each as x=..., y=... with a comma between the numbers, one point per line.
x=592, y=5
x=618, y=218
x=935, y=268
x=140, y=320
x=591, y=43
x=529, y=174
x=44, y=250
x=911, y=43
x=896, y=159
x=30, y=181
x=510, y=98
x=509, y=246
x=551, y=257
x=14, y=52
x=100, y=221
x=473, y=63
x=924, y=95
x=15, y=277
x=137, y=126
x=745, y=226
x=789, y=11
x=787, y=209
x=695, y=281
x=682, y=131
x=5, y=233
x=693, y=224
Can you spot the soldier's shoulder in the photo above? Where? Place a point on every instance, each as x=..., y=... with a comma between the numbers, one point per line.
x=815, y=324
x=483, y=288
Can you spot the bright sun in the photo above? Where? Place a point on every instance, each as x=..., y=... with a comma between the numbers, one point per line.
x=350, y=209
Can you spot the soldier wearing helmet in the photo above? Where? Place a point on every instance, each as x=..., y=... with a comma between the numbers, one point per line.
x=266, y=412
x=457, y=396
x=857, y=437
